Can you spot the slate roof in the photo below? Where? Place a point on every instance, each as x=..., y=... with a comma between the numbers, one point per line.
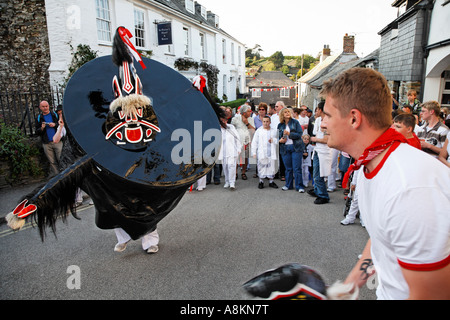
x=268, y=79
x=332, y=66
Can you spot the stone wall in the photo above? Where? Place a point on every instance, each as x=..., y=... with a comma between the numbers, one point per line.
x=24, y=47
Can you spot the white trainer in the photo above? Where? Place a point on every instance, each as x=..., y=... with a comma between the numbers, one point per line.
x=347, y=221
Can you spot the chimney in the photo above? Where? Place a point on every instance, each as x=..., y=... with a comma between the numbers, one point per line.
x=325, y=52
x=349, y=44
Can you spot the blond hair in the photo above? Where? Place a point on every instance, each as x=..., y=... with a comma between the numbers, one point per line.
x=432, y=105
x=281, y=114
x=363, y=89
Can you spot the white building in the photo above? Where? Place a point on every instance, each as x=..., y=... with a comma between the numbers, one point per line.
x=437, y=54
x=195, y=32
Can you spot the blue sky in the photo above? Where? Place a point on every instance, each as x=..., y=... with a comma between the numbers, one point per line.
x=304, y=26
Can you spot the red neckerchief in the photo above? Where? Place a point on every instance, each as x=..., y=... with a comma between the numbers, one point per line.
x=388, y=138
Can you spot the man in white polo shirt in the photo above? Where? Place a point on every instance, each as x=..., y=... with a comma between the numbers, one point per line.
x=404, y=198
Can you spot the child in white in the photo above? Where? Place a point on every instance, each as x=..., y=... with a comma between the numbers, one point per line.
x=307, y=159
x=354, y=208
x=229, y=154
x=264, y=149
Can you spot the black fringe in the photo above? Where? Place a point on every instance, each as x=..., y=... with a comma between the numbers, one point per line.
x=220, y=113
x=55, y=199
x=120, y=51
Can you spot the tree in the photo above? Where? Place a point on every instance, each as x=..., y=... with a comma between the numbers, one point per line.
x=278, y=59
x=254, y=52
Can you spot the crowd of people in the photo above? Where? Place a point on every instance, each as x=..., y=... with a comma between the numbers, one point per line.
x=288, y=144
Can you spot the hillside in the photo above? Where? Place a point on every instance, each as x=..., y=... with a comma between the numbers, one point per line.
x=289, y=65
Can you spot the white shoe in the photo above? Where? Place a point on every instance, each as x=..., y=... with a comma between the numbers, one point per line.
x=226, y=185
x=284, y=188
x=120, y=247
x=301, y=190
x=331, y=189
x=232, y=187
x=153, y=249
x=347, y=221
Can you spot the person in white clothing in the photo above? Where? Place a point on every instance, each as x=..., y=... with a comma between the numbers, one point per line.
x=229, y=153
x=264, y=149
x=321, y=159
x=150, y=241
x=354, y=207
x=405, y=210
x=303, y=119
x=245, y=126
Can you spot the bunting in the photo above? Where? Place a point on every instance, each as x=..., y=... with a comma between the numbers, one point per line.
x=272, y=89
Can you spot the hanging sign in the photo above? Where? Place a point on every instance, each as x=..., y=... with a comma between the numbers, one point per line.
x=164, y=33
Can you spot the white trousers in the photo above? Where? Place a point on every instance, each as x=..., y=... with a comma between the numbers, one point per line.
x=150, y=239
x=229, y=171
x=334, y=164
x=354, y=208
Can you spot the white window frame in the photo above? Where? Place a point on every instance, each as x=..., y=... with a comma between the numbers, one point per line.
x=239, y=56
x=256, y=93
x=186, y=41
x=285, y=92
x=444, y=91
x=224, y=51
x=103, y=20
x=189, y=5
x=203, y=12
x=202, y=46
x=232, y=53
x=225, y=85
x=139, y=30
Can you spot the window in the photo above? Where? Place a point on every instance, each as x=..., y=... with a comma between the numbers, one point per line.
x=256, y=93
x=139, y=28
x=203, y=12
x=232, y=53
x=445, y=98
x=103, y=20
x=224, y=51
x=186, y=41
x=239, y=56
x=202, y=46
x=189, y=4
x=225, y=84
x=284, y=92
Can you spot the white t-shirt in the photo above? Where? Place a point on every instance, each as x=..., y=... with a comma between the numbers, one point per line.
x=274, y=121
x=405, y=207
x=448, y=146
x=303, y=121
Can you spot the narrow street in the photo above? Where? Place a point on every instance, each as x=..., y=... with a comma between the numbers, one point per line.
x=212, y=243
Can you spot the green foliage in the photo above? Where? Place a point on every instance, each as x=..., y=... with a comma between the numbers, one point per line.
x=81, y=56
x=15, y=149
x=278, y=59
x=278, y=62
x=235, y=103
